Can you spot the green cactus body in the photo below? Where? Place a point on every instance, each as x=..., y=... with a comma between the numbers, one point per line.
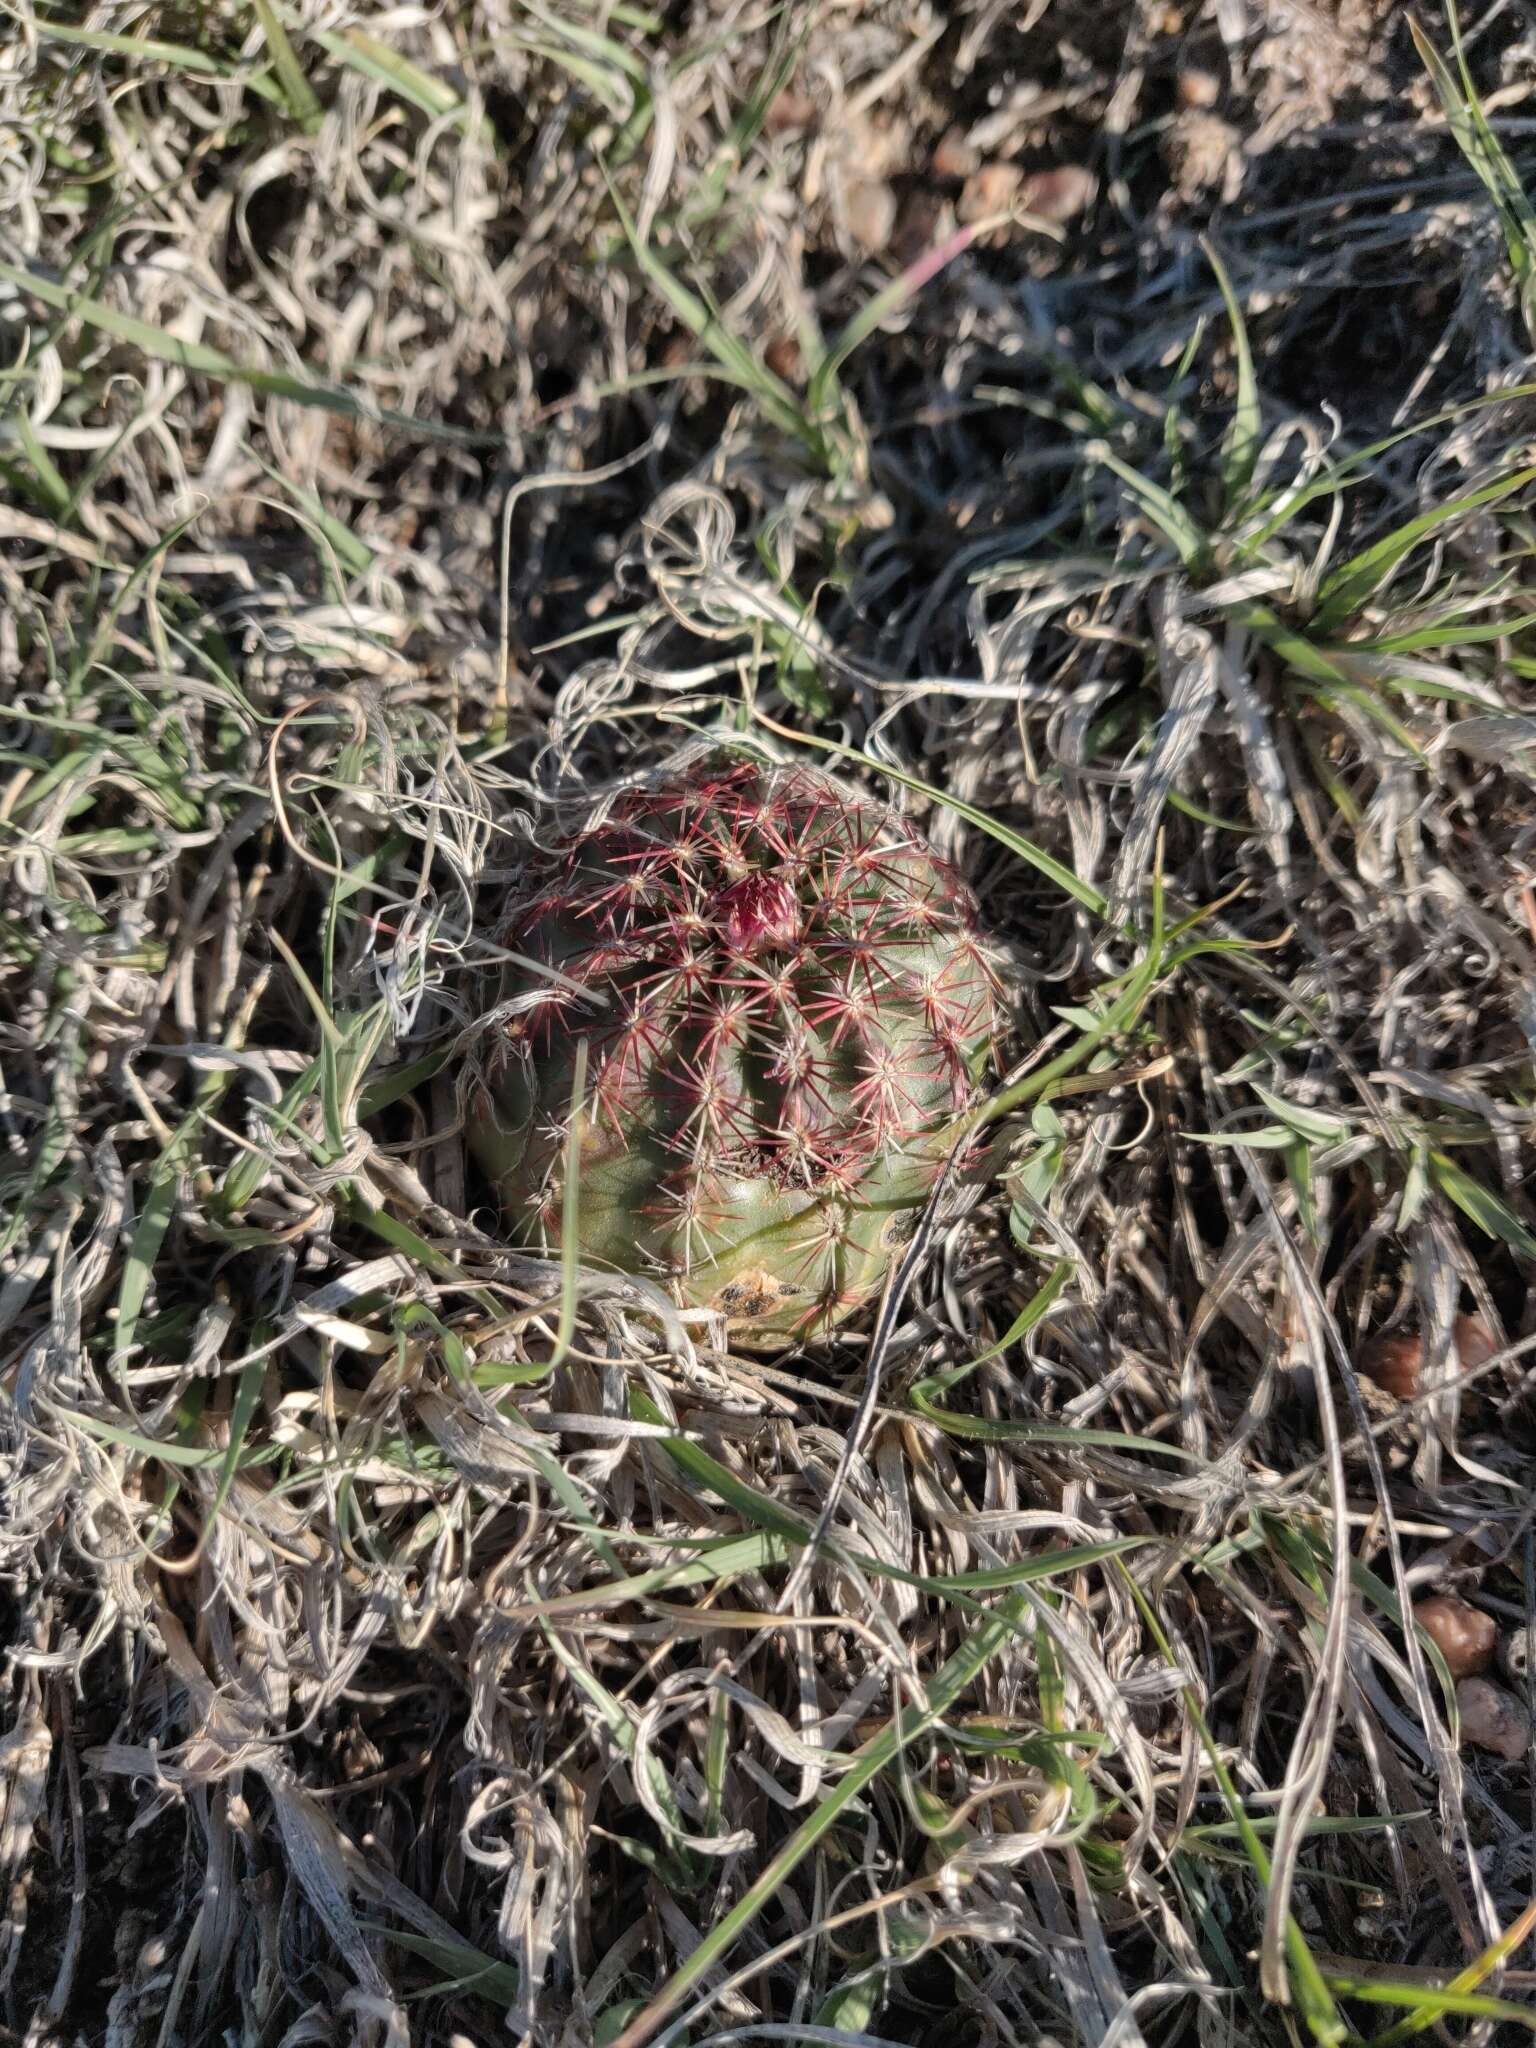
x=785, y=1005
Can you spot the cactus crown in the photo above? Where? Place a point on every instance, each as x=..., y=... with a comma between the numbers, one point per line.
x=783, y=999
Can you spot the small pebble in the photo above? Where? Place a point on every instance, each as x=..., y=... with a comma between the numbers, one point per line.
x=1492, y=1719
x=1197, y=88
x=1475, y=1342
x=1060, y=194
x=1394, y=1359
x=1515, y=1656
x=870, y=211
x=954, y=157
x=789, y=111
x=1464, y=1635
x=782, y=355
x=990, y=190
x=1204, y=154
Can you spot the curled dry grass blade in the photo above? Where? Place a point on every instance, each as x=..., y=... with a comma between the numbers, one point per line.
x=415, y=1638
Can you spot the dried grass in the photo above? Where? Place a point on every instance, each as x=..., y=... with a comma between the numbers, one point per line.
x=419, y=420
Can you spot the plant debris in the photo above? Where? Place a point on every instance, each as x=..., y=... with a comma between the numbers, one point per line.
x=418, y=421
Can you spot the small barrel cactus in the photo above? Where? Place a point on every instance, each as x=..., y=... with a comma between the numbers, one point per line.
x=785, y=1006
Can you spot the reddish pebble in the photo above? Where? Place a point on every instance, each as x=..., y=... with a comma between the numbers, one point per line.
x=1061, y=194
x=1197, y=88
x=953, y=156
x=991, y=190
x=1394, y=1359
x=782, y=355
x=1464, y=1635
x=1475, y=1342
x=790, y=110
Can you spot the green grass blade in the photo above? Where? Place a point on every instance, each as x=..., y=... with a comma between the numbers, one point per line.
x=1492, y=1958
x=1165, y=512
x=329, y=1031
x=390, y=1086
x=297, y=89
x=144, y=48
x=372, y=59
x=1033, y=1312
x=1119, y=1016
x=1016, y=843
x=822, y=388
x=956, y=1677
x=1427, y=2002
x=1325, y=670
x=354, y=555
x=212, y=362
x=570, y=1245
x=247, y=1396
x=1356, y=467
x=1355, y=582
x=186, y=1457
x=982, y=1429
x=718, y=1564
x=460, y=1967
x=1484, y=152
x=772, y=394
x=601, y=50
x=1240, y=444
x=1312, y=1993
x=153, y=1221
x=755, y=1507
x=47, y=485
x=709, y=193
x=1488, y=1211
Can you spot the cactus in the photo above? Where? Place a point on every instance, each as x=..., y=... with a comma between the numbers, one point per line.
x=785, y=1006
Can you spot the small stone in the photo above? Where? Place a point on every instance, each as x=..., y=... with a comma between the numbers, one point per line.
x=1392, y=1360
x=1395, y=1359
x=788, y=111
x=871, y=150
x=953, y=156
x=1464, y=1635
x=991, y=190
x=782, y=355
x=870, y=211
x=1493, y=1719
x=1475, y=1342
x=1060, y=194
x=1515, y=1656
